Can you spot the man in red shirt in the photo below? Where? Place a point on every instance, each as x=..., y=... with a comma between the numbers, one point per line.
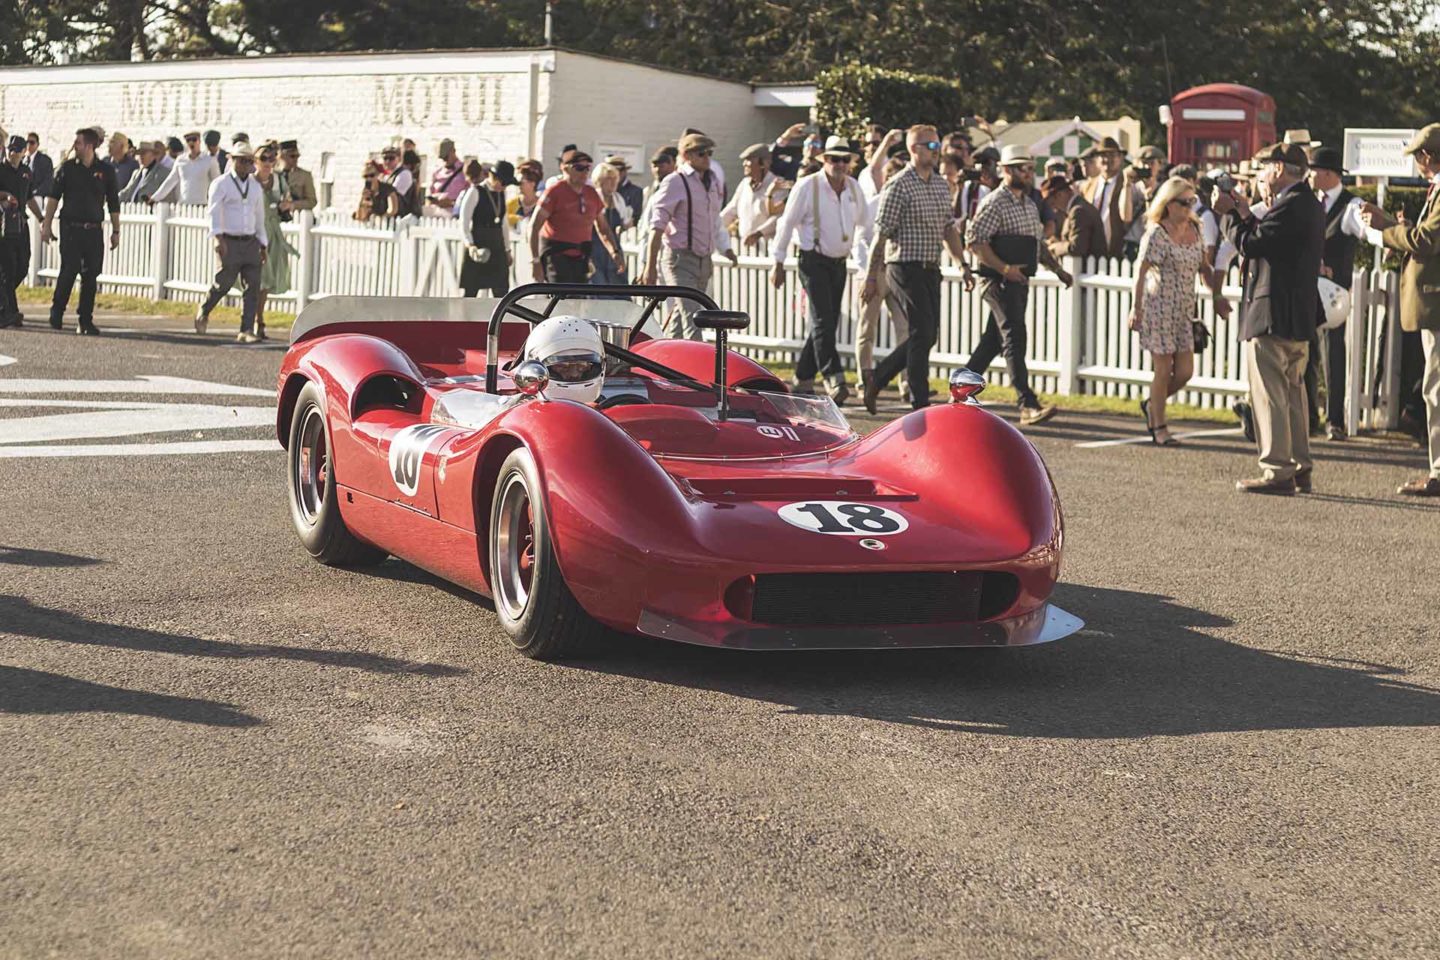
x=570, y=214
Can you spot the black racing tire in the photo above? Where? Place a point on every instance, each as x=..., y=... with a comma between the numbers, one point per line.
x=532, y=600
x=310, y=479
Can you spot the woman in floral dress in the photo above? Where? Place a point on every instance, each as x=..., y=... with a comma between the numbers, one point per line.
x=275, y=274
x=1172, y=255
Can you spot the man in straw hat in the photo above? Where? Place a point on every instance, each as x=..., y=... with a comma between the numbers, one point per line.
x=237, y=222
x=825, y=214
x=1420, y=288
x=1008, y=239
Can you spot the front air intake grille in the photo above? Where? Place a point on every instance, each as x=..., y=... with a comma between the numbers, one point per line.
x=874, y=599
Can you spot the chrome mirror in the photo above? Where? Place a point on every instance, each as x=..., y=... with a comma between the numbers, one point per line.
x=531, y=378
x=965, y=386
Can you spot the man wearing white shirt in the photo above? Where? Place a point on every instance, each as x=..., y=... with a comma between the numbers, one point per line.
x=189, y=181
x=826, y=212
x=1343, y=233
x=237, y=221
x=757, y=195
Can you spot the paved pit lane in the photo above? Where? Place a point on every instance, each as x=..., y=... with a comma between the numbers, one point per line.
x=213, y=747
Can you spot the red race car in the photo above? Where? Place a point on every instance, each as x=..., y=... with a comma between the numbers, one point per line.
x=546, y=451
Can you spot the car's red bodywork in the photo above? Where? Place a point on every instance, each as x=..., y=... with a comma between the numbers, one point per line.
x=656, y=536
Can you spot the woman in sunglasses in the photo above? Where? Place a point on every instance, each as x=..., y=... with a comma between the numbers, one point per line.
x=378, y=198
x=1171, y=257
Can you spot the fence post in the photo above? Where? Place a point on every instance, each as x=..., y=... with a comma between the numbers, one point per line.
x=1357, y=331
x=160, y=250
x=1390, y=392
x=408, y=257
x=1072, y=309
x=37, y=250
x=306, y=259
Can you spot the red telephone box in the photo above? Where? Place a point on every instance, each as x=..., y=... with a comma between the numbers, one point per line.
x=1220, y=125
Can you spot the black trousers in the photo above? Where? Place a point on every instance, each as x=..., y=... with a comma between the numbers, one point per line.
x=560, y=268
x=82, y=253
x=916, y=289
x=1334, y=377
x=824, y=281
x=12, y=272
x=1005, y=334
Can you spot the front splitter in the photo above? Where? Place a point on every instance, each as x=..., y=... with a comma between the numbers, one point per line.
x=1041, y=625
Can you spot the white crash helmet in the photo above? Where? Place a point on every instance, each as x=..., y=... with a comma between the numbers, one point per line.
x=1334, y=303
x=573, y=355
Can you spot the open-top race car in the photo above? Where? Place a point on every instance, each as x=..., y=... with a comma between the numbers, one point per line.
x=546, y=450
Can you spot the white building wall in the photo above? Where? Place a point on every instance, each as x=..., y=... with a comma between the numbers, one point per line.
x=601, y=105
x=499, y=104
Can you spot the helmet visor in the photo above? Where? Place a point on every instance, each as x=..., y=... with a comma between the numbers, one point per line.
x=574, y=367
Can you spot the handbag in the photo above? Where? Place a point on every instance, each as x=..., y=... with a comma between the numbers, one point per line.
x=1201, y=333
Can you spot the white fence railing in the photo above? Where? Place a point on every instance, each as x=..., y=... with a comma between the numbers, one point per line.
x=1080, y=339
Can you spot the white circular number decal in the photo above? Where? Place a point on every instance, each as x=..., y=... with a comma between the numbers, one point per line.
x=844, y=519
x=407, y=453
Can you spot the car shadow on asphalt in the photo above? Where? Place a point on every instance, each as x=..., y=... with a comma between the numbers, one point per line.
x=36, y=691
x=1145, y=667
x=25, y=619
x=26, y=557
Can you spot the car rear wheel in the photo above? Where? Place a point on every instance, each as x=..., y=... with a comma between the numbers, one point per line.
x=313, y=506
x=535, y=606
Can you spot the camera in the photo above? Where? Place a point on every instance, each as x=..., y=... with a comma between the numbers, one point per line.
x=1225, y=183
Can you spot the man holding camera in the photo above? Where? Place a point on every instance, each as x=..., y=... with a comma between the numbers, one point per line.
x=1007, y=238
x=1283, y=252
x=1420, y=288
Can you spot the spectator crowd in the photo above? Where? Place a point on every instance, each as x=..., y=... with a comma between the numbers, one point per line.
x=887, y=209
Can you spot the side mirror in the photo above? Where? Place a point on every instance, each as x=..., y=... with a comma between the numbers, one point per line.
x=531, y=378
x=965, y=386
x=721, y=319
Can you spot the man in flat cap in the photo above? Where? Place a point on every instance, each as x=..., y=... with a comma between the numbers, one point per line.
x=1420, y=289
x=632, y=193
x=755, y=206
x=1282, y=251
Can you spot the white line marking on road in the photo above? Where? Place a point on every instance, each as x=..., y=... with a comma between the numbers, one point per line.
x=140, y=385
x=6, y=361
x=1228, y=431
x=142, y=449
x=137, y=419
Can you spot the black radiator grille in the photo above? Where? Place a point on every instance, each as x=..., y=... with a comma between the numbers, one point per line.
x=860, y=599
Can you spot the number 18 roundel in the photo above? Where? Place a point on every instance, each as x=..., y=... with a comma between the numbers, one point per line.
x=844, y=519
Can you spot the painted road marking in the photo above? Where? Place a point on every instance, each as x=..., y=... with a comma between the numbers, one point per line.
x=122, y=420
x=6, y=361
x=141, y=449
x=140, y=385
x=1227, y=432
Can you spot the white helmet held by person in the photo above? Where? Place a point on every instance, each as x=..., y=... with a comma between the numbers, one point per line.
x=574, y=356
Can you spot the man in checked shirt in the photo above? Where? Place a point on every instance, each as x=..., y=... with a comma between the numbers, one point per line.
x=915, y=213
x=1006, y=236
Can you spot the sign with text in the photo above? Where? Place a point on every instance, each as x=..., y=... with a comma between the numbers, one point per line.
x=1379, y=153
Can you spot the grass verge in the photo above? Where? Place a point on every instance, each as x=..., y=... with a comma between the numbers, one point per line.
x=125, y=303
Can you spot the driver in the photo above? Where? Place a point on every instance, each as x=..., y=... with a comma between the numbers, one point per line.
x=573, y=354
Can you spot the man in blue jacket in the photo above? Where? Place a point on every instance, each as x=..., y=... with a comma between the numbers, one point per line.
x=1282, y=252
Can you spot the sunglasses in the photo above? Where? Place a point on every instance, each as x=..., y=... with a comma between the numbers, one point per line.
x=192, y=139
x=704, y=153
x=580, y=167
x=931, y=144
x=1186, y=202
x=843, y=161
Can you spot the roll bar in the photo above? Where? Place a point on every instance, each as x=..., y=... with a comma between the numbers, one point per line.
x=510, y=303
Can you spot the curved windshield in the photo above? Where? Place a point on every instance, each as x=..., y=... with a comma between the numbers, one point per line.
x=800, y=410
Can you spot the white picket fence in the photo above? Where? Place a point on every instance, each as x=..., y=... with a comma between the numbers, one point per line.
x=1080, y=339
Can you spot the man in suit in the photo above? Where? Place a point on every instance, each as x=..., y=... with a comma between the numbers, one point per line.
x=1120, y=202
x=148, y=177
x=42, y=168
x=1420, y=288
x=1282, y=252
x=1343, y=232
x=1081, y=233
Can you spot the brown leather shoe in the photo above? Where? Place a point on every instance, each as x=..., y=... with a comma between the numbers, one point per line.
x=1424, y=487
x=1276, y=487
x=871, y=394
x=1029, y=415
x=1302, y=480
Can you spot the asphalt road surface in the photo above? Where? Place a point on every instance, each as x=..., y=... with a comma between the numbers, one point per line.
x=212, y=747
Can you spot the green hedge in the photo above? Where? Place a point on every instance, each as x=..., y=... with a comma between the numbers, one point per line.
x=849, y=98
x=1410, y=199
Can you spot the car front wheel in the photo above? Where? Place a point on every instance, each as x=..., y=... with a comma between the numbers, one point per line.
x=535, y=606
